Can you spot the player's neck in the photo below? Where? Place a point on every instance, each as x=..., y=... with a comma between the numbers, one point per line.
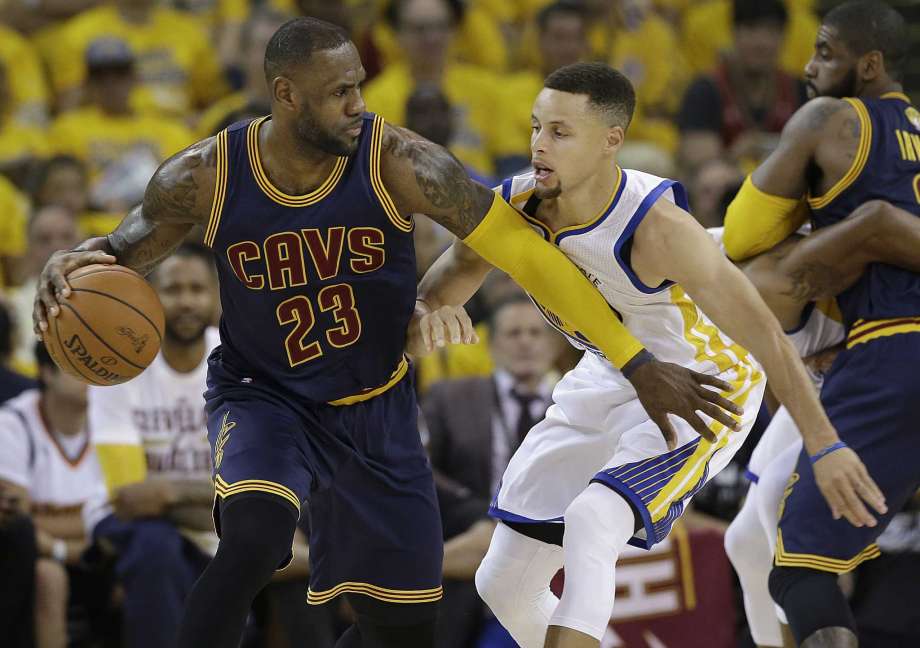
x=881, y=87
x=61, y=416
x=183, y=357
x=581, y=204
x=293, y=167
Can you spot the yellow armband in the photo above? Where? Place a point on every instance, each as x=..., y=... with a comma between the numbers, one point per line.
x=121, y=464
x=756, y=221
x=505, y=240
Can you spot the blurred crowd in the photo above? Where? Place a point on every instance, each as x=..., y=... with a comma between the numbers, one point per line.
x=95, y=95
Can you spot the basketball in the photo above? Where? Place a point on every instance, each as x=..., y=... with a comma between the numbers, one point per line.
x=109, y=329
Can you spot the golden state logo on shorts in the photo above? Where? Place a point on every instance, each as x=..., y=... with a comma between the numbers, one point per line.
x=222, y=437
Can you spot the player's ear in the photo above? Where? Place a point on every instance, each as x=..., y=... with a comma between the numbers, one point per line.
x=871, y=65
x=283, y=93
x=615, y=137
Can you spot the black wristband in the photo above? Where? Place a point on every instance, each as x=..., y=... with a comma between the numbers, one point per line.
x=641, y=358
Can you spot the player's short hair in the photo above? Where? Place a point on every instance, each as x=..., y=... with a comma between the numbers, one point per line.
x=608, y=90
x=296, y=40
x=560, y=8
x=865, y=26
x=393, y=13
x=753, y=13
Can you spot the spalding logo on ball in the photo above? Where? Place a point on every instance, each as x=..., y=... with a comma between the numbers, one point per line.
x=109, y=329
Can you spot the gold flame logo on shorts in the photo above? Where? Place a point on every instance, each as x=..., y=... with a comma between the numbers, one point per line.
x=222, y=437
x=913, y=116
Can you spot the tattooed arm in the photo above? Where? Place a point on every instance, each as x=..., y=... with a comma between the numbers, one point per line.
x=177, y=198
x=422, y=177
x=830, y=260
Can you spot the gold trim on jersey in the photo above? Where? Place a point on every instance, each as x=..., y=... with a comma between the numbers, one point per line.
x=220, y=189
x=377, y=592
x=225, y=490
x=896, y=95
x=822, y=563
x=258, y=172
x=864, y=331
x=369, y=394
x=554, y=236
x=402, y=224
x=709, y=345
x=856, y=168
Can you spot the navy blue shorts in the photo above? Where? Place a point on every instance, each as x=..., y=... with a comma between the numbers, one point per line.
x=361, y=472
x=872, y=396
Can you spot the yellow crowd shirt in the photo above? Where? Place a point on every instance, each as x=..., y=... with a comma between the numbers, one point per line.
x=480, y=119
x=176, y=64
x=14, y=210
x=25, y=78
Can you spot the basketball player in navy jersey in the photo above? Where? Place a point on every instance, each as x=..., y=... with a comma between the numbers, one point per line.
x=839, y=154
x=308, y=212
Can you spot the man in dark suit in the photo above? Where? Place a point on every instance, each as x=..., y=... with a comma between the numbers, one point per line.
x=474, y=426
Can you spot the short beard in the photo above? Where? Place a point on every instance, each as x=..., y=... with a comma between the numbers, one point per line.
x=846, y=87
x=185, y=340
x=309, y=134
x=548, y=193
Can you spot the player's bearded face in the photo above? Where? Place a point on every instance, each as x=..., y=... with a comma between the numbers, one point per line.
x=315, y=135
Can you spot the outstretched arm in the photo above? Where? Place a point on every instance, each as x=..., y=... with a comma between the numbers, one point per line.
x=422, y=177
x=178, y=197
x=670, y=243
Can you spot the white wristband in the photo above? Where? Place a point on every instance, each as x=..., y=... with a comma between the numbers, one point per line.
x=59, y=550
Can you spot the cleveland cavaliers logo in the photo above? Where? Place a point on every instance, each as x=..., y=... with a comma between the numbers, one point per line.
x=222, y=437
x=913, y=116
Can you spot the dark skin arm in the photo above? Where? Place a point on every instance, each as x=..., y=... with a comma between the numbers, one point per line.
x=832, y=259
x=423, y=177
x=178, y=197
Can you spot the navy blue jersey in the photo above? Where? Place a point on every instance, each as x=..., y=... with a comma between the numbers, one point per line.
x=317, y=290
x=886, y=167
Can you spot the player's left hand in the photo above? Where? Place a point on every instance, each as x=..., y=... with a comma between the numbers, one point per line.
x=436, y=328
x=149, y=498
x=845, y=484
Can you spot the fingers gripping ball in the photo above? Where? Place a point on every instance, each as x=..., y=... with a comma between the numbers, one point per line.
x=109, y=329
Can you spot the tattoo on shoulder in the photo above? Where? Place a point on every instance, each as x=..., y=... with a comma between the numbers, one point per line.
x=459, y=203
x=820, y=113
x=183, y=185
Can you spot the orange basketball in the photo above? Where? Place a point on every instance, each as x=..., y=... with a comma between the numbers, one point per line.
x=109, y=329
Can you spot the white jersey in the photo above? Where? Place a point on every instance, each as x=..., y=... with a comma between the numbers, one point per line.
x=596, y=429
x=60, y=472
x=161, y=410
x=663, y=318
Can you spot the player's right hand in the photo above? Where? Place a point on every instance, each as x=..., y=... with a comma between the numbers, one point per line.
x=845, y=484
x=52, y=283
x=429, y=329
x=665, y=388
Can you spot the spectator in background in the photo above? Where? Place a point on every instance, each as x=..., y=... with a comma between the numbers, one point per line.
x=12, y=383
x=14, y=209
x=426, y=29
x=121, y=147
x=50, y=229
x=715, y=184
x=474, y=426
x=178, y=68
x=253, y=99
x=151, y=438
x=62, y=181
x=48, y=471
x=741, y=108
x=20, y=143
x=562, y=39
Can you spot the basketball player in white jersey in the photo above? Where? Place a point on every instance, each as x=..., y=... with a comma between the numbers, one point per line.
x=48, y=467
x=597, y=463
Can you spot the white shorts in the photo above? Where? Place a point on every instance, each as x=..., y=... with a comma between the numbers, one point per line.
x=780, y=434
x=597, y=430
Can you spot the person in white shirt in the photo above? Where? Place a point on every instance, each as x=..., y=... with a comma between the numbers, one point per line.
x=48, y=472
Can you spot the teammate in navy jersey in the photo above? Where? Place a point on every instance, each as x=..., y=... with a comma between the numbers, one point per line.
x=309, y=212
x=840, y=154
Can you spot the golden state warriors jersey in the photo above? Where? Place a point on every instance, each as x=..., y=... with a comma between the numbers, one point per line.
x=886, y=167
x=317, y=290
